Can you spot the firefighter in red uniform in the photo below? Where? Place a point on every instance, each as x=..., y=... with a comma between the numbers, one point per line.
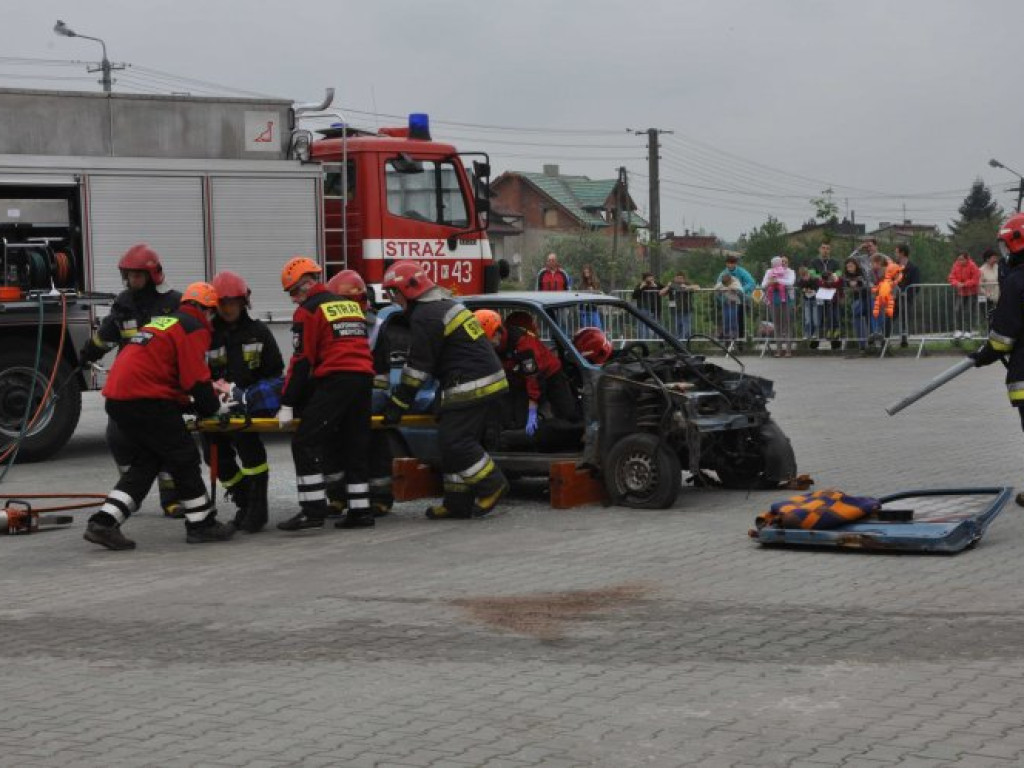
x=349, y=285
x=243, y=351
x=532, y=368
x=149, y=384
x=146, y=295
x=331, y=378
x=449, y=344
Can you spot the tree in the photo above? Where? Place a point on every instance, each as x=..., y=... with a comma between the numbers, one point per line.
x=764, y=243
x=978, y=206
x=824, y=209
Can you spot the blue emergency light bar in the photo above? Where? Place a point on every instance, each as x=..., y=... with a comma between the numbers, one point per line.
x=419, y=126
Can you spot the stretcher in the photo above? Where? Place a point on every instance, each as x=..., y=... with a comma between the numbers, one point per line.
x=934, y=520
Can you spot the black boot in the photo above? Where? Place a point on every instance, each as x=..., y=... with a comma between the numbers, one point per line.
x=256, y=512
x=108, y=536
x=208, y=531
x=239, y=493
x=311, y=516
x=357, y=518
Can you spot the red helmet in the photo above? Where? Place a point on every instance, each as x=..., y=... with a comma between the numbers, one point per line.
x=520, y=318
x=593, y=345
x=296, y=269
x=144, y=259
x=490, y=321
x=408, y=278
x=231, y=285
x=349, y=284
x=202, y=294
x=1011, y=236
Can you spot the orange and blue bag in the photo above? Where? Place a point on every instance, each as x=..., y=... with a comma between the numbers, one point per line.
x=821, y=510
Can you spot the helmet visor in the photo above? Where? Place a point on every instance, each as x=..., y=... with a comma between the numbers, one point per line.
x=1004, y=251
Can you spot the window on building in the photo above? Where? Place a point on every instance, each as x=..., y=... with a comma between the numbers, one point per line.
x=432, y=194
x=550, y=217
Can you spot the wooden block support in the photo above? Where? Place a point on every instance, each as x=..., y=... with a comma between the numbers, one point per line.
x=412, y=480
x=572, y=487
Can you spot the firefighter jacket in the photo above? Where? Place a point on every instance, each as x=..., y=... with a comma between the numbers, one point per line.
x=1006, y=334
x=131, y=310
x=449, y=344
x=527, y=359
x=243, y=352
x=330, y=336
x=166, y=360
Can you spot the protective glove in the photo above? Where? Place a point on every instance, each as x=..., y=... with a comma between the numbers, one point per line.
x=90, y=353
x=393, y=413
x=531, y=420
x=285, y=416
x=226, y=404
x=984, y=355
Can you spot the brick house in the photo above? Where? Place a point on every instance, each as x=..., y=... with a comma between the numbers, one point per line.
x=550, y=203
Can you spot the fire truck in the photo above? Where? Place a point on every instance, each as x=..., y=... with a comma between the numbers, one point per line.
x=210, y=184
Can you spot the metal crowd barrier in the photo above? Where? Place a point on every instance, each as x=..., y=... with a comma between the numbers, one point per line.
x=922, y=314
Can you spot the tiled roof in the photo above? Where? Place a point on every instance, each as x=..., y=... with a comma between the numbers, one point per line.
x=581, y=196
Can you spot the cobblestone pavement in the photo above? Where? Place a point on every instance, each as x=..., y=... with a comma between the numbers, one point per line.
x=590, y=637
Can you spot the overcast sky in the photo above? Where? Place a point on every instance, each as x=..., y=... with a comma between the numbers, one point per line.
x=770, y=101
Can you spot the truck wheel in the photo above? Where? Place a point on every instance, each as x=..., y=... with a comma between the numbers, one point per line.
x=59, y=418
x=768, y=460
x=640, y=472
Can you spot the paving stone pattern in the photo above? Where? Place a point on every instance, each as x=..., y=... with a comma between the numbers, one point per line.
x=588, y=637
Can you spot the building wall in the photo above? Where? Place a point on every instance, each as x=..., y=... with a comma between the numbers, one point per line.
x=129, y=125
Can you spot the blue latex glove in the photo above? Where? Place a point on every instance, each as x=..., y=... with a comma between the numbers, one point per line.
x=531, y=420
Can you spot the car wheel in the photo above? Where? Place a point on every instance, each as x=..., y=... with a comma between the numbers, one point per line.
x=766, y=459
x=642, y=473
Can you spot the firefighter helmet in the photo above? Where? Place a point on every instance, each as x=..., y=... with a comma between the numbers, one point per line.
x=1011, y=236
x=593, y=345
x=520, y=318
x=140, y=257
x=203, y=294
x=349, y=284
x=231, y=285
x=490, y=321
x=408, y=278
x=296, y=269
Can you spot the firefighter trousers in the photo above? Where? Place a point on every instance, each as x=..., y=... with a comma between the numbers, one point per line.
x=122, y=450
x=334, y=437
x=469, y=472
x=155, y=437
x=239, y=455
x=378, y=469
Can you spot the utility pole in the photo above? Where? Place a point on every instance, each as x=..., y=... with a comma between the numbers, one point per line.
x=654, y=196
x=620, y=187
x=105, y=66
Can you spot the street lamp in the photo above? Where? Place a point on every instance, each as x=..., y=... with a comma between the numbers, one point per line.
x=1020, y=187
x=105, y=67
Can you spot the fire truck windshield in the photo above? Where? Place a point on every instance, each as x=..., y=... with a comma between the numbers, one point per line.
x=433, y=194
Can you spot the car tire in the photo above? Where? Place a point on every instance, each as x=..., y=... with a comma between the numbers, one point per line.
x=774, y=463
x=641, y=472
x=57, y=422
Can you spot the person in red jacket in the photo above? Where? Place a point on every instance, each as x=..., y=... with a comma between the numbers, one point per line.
x=531, y=368
x=965, y=277
x=154, y=377
x=331, y=377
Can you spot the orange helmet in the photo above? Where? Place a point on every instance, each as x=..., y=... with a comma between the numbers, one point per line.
x=144, y=259
x=349, y=284
x=593, y=345
x=408, y=278
x=1011, y=236
x=230, y=285
x=490, y=321
x=203, y=294
x=296, y=269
